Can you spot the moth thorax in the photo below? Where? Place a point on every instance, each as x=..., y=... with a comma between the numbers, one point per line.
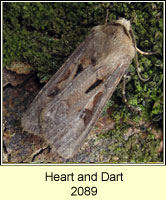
x=125, y=23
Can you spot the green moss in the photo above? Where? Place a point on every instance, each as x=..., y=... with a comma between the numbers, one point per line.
x=136, y=148
x=45, y=34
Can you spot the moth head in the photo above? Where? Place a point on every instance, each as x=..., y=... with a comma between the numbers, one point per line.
x=125, y=23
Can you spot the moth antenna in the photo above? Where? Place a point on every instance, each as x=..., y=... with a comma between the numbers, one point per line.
x=137, y=64
x=106, y=18
x=132, y=108
x=136, y=56
x=137, y=68
x=145, y=53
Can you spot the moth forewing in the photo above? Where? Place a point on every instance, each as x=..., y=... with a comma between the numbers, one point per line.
x=82, y=87
x=31, y=118
x=67, y=140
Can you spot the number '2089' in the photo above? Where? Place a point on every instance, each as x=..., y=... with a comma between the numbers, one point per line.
x=80, y=191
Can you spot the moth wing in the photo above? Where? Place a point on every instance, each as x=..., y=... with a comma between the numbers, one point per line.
x=66, y=128
x=31, y=118
x=67, y=107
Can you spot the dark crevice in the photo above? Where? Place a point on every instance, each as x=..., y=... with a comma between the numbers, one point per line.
x=4, y=148
x=93, y=59
x=94, y=85
x=52, y=92
x=79, y=69
x=40, y=152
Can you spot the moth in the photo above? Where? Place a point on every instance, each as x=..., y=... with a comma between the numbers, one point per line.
x=67, y=107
